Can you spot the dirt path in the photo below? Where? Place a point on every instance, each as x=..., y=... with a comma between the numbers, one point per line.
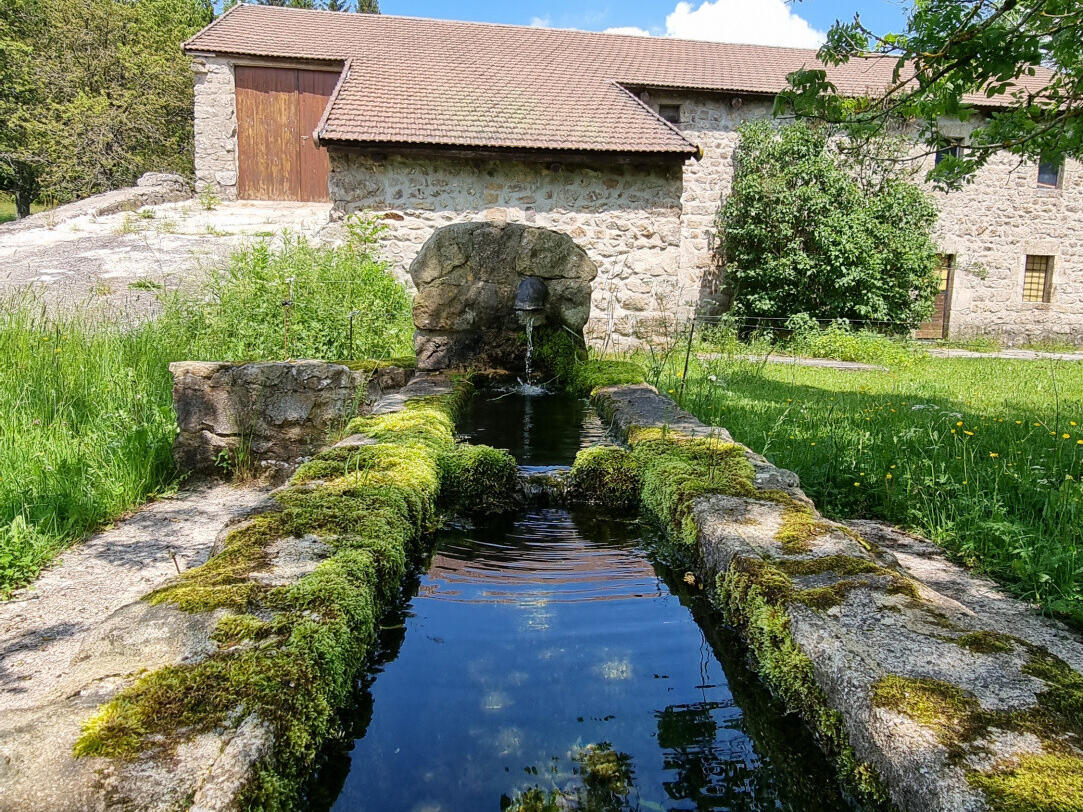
x=44, y=626
x=1014, y=355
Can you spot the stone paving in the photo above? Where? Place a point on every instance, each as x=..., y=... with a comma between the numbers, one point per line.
x=122, y=261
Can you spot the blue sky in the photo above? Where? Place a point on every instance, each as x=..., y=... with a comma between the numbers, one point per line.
x=768, y=22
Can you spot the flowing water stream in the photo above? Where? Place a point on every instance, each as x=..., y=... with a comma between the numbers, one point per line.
x=539, y=637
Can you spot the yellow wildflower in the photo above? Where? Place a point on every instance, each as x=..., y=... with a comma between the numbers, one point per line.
x=993, y=454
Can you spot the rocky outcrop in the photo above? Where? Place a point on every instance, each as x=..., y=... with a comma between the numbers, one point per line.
x=151, y=189
x=266, y=413
x=930, y=688
x=468, y=276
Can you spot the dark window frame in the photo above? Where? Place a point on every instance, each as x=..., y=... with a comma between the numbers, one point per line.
x=1037, y=266
x=671, y=113
x=953, y=148
x=1058, y=172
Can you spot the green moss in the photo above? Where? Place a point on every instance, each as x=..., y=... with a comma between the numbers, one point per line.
x=959, y=721
x=590, y=375
x=223, y=581
x=939, y=705
x=235, y=629
x=675, y=470
x=1060, y=705
x=606, y=475
x=479, y=479
x=1039, y=783
x=535, y=799
x=987, y=642
x=799, y=527
x=295, y=670
x=606, y=775
x=844, y=566
x=841, y=565
x=753, y=595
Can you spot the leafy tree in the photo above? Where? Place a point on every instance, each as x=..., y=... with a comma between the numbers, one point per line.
x=803, y=237
x=368, y=6
x=96, y=93
x=1023, y=52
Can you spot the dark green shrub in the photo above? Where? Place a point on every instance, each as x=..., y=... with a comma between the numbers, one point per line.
x=801, y=237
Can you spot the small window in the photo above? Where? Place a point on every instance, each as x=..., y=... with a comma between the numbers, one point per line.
x=1037, y=278
x=1049, y=174
x=944, y=265
x=953, y=148
x=670, y=112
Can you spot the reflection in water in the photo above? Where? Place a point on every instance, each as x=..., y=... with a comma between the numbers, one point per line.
x=534, y=641
x=540, y=432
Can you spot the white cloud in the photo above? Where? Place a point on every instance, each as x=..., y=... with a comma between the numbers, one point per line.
x=631, y=30
x=755, y=22
x=539, y=22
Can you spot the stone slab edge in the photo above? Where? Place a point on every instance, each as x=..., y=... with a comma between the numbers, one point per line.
x=872, y=634
x=210, y=770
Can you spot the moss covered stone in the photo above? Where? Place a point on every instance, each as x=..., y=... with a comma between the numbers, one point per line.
x=479, y=479
x=290, y=654
x=987, y=642
x=675, y=470
x=1039, y=783
x=939, y=705
x=607, y=476
x=799, y=527
x=753, y=595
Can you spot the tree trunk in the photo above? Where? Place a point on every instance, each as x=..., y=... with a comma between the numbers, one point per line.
x=22, y=204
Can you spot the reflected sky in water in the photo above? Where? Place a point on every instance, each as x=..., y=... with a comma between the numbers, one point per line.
x=533, y=636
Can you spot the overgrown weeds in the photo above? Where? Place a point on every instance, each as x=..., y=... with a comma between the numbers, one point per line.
x=86, y=411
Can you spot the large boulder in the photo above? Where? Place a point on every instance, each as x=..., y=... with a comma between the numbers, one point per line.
x=467, y=276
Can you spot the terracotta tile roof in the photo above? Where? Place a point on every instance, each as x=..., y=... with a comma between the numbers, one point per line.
x=449, y=83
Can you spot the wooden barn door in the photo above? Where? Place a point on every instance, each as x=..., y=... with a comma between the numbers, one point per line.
x=277, y=110
x=937, y=326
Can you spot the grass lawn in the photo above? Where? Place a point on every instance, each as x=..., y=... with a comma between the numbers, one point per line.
x=7, y=208
x=985, y=456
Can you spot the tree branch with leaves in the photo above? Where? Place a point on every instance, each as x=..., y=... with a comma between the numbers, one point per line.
x=1012, y=68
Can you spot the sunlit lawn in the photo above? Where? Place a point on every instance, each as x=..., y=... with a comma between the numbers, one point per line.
x=982, y=455
x=7, y=208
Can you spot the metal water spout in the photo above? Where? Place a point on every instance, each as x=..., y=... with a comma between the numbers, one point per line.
x=530, y=300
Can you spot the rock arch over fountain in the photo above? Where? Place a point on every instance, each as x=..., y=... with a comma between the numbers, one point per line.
x=479, y=284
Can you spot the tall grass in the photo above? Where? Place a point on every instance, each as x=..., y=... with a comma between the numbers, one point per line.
x=297, y=300
x=86, y=412
x=86, y=423
x=985, y=456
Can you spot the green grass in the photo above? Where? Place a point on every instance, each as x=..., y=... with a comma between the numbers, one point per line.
x=86, y=409
x=7, y=208
x=985, y=456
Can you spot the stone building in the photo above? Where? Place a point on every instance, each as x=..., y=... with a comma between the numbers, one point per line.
x=623, y=143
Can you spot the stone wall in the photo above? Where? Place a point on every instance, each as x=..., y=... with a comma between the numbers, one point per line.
x=215, y=126
x=856, y=628
x=626, y=217
x=990, y=225
x=269, y=412
x=650, y=229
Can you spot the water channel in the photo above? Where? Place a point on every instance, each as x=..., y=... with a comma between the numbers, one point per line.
x=536, y=638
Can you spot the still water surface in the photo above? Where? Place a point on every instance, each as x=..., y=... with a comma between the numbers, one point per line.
x=534, y=636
